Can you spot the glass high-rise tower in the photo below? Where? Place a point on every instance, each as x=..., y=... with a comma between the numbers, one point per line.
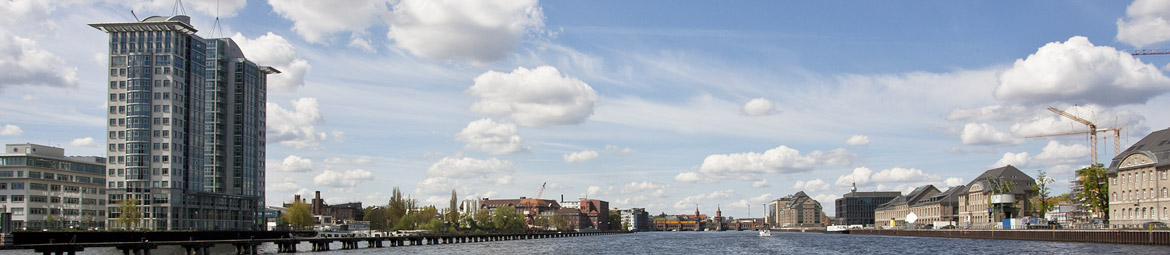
x=179, y=142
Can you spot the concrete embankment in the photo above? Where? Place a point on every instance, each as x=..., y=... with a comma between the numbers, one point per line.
x=1156, y=237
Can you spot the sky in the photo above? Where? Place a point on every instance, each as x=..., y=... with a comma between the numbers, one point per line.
x=663, y=105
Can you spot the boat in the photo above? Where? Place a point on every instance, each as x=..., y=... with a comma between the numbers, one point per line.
x=837, y=229
x=765, y=232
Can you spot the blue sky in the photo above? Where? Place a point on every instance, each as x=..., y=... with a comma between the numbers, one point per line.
x=657, y=104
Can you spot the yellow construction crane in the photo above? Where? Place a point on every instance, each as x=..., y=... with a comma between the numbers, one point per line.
x=1092, y=131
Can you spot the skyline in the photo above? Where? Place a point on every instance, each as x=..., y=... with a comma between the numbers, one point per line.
x=654, y=105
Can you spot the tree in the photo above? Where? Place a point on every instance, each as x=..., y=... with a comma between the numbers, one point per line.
x=427, y=213
x=506, y=218
x=561, y=223
x=396, y=208
x=1042, y=203
x=1095, y=190
x=541, y=221
x=299, y=215
x=483, y=218
x=436, y=225
x=378, y=217
x=408, y=222
x=130, y=214
x=615, y=220
x=453, y=211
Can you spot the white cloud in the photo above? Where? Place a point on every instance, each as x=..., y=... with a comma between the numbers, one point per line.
x=811, y=185
x=491, y=170
x=899, y=174
x=580, y=156
x=83, y=142
x=287, y=185
x=346, y=179
x=296, y=128
x=359, y=160
x=28, y=97
x=762, y=183
x=759, y=107
x=476, y=30
x=692, y=201
x=488, y=136
x=781, y=159
x=644, y=187
x=987, y=113
x=857, y=140
x=1077, y=72
x=757, y=200
x=223, y=8
x=616, y=148
x=317, y=20
x=1148, y=23
x=25, y=63
x=1015, y=159
x=826, y=200
x=954, y=181
x=10, y=130
x=273, y=50
x=688, y=177
x=986, y=134
x=534, y=97
x=592, y=191
x=361, y=44
x=294, y=163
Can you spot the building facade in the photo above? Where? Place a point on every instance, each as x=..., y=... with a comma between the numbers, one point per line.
x=157, y=149
x=635, y=219
x=927, y=204
x=857, y=208
x=799, y=211
x=983, y=204
x=44, y=189
x=1138, y=182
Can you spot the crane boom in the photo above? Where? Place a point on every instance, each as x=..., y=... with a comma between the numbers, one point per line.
x=1151, y=52
x=1060, y=134
x=1073, y=117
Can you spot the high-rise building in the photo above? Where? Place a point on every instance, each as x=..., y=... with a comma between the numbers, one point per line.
x=185, y=169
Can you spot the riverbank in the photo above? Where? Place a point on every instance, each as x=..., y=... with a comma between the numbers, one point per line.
x=1157, y=237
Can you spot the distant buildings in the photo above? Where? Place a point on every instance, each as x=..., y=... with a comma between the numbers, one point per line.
x=586, y=215
x=186, y=127
x=44, y=189
x=857, y=208
x=984, y=201
x=795, y=211
x=1138, y=182
x=325, y=213
x=926, y=205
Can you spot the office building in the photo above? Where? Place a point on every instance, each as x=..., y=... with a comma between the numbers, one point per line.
x=44, y=189
x=856, y=208
x=1138, y=182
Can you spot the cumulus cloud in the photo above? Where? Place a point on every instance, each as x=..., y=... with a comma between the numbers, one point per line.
x=896, y=175
x=580, y=156
x=294, y=163
x=616, y=148
x=359, y=160
x=857, y=140
x=317, y=20
x=342, y=179
x=749, y=165
x=988, y=113
x=1046, y=122
x=954, y=181
x=491, y=170
x=762, y=183
x=10, y=130
x=1054, y=153
x=759, y=107
x=534, y=97
x=286, y=185
x=644, y=187
x=25, y=63
x=224, y=8
x=692, y=201
x=1077, y=72
x=811, y=185
x=899, y=174
x=1147, y=22
x=83, y=142
x=689, y=177
x=480, y=31
x=488, y=136
x=859, y=175
x=273, y=50
x=1015, y=159
x=296, y=128
x=744, y=203
x=986, y=134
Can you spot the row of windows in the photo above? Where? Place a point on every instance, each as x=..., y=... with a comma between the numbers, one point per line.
x=153, y=184
x=54, y=200
x=1137, y=177
x=1137, y=194
x=154, y=171
x=140, y=109
x=54, y=164
x=63, y=178
x=1142, y=213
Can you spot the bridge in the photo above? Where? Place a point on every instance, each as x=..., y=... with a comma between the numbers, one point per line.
x=289, y=244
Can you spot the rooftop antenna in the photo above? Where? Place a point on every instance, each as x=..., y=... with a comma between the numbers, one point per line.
x=135, y=16
x=178, y=8
x=216, y=27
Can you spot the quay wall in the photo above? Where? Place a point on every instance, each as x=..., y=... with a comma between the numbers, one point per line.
x=1156, y=237
x=31, y=237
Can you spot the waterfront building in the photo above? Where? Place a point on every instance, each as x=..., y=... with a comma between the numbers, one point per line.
x=333, y=214
x=984, y=204
x=635, y=219
x=586, y=214
x=894, y=212
x=1138, y=182
x=857, y=208
x=44, y=189
x=186, y=169
x=798, y=211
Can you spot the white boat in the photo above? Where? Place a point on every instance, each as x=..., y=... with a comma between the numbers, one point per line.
x=765, y=232
x=837, y=229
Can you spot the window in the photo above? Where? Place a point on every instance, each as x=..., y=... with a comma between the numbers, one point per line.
x=17, y=186
x=55, y=200
x=38, y=186
x=18, y=198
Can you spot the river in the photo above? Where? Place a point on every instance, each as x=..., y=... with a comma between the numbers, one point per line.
x=729, y=242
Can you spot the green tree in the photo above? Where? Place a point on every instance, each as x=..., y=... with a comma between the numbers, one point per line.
x=615, y=221
x=561, y=223
x=453, y=210
x=408, y=222
x=1042, y=203
x=298, y=215
x=396, y=208
x=436, y=225
x=130, y=213
x=467, y=221
x=542, y=221
x=427, y=213
x=483, y=218
x=378, y=218
x=506, y=218
x=1095, y=190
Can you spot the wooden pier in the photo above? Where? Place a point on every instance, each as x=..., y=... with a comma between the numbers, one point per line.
x=289, y=245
